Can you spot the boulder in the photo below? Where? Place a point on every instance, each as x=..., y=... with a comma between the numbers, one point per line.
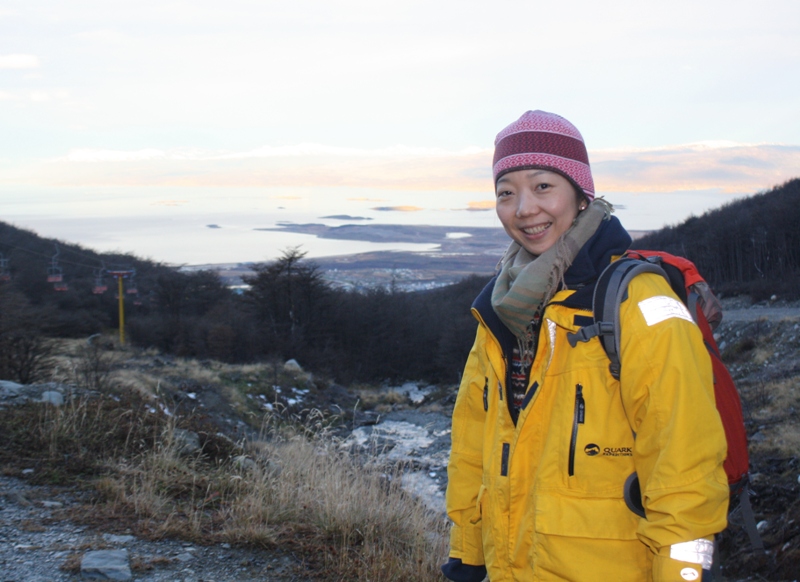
x=53, y=397
x=186, y=441
x=9, y=390
x=106, y=565
x=292, y=366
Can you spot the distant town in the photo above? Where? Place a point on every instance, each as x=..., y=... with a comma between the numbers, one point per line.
x=463, y=251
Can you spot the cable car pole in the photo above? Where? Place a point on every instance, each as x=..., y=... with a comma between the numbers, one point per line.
x=120, y=275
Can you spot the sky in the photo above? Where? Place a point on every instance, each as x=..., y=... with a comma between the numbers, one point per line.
x=135, y=125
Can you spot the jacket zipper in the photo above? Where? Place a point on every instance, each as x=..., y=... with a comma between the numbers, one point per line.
x=486, y=394
x=578, y=418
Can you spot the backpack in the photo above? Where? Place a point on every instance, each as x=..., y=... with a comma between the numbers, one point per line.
x=687, y=283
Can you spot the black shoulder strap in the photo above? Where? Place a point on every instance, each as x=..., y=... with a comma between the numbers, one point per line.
x=610, y=291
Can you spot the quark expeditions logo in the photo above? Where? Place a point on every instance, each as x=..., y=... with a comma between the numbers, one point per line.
x=618, y=452
x=592, y=450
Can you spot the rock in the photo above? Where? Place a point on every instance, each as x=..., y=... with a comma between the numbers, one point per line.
x=9, y=389
x=186, y=441
x=19, y=498
x=365, y=418
x=53, y=397
x=106, y=565
x=762, y=525
x=292, y=366
x=414, y=393
x=115, y=539
x=243, y=462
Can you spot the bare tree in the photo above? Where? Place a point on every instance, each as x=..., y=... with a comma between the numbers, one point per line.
x=25, y=353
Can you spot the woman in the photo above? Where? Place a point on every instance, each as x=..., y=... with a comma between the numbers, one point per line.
x=544, y=438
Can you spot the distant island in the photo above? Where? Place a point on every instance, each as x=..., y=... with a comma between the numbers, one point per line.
x=481, y=240
x=346, y=217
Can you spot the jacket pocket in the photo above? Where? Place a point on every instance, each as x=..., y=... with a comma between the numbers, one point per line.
x=581, y=517
x=603, y=528
x=578, y=418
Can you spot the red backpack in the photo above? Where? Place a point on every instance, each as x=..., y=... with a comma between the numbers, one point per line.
x=692, y=289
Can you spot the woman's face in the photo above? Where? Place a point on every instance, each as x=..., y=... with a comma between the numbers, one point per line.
x=536, y=207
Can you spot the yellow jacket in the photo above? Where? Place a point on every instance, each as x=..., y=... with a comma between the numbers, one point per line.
x=543, y=499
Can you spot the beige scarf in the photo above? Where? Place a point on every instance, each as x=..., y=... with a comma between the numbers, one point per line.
x=526, y=282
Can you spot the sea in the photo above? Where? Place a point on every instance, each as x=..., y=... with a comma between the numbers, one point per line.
x=190, y=225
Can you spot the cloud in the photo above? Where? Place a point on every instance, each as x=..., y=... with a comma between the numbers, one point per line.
x=311, y=165
x=481, y=205
x=398, y=208
x=93, y=155
x=170, y=202
x=726, y=167
x=306, y=150
x=19, y=62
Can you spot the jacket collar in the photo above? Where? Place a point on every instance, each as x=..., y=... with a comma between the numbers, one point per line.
x=610, y=240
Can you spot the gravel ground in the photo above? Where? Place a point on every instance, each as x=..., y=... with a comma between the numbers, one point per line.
x=756, y=313
x=743, y=309
x=38, y=546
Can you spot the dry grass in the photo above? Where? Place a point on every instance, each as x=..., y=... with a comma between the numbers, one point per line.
x=774, y=399
x=762, y=354
x=72, y=563
x=144, y=383
x=63, y=443
x=295, y=488
x=783, y=438
x=380, y=400
x=350, y=518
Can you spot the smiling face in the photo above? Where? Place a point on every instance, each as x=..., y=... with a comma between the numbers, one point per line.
x=536, y=207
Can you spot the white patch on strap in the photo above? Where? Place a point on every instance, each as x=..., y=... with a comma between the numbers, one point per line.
x=660, y=308
x=695, y=552
x=551, y=330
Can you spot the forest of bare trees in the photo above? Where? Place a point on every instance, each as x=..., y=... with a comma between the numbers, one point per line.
x=749, y=246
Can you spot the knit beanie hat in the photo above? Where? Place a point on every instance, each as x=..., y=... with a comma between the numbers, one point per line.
x=545, y=140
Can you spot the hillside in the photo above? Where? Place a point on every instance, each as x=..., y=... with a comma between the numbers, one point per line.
x=749, y=246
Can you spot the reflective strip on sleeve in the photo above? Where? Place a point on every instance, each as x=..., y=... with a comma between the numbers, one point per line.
x=695, y=552
x=660, y=308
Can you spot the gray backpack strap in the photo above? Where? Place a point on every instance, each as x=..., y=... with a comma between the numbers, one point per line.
x=609, y=292
x=749, y=519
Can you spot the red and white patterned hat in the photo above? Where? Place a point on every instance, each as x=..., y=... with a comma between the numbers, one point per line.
x=540, y=139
